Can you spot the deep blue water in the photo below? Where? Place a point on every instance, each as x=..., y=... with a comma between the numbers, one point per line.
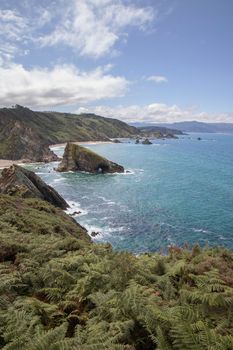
x=177, y=191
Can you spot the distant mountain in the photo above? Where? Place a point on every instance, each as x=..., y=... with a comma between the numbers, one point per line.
x=194, y=126
x=26, y=134
x=159, y=129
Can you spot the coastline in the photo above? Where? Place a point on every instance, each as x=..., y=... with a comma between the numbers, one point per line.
x=5, y=163
x=80, y=143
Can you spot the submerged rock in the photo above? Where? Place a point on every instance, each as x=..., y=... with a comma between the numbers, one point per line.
x=18, y=181
x=78, y=158
x=95, y=233
x=146, y=142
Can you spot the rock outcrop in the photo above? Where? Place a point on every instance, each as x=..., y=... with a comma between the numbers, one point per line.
x=18, y=181
x=146, y=142
x=78, y=158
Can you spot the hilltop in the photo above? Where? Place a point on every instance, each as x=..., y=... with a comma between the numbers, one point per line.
x=26, y=134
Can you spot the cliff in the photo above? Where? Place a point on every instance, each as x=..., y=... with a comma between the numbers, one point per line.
x=78, y=158
x=25, y=134
x=17, y=181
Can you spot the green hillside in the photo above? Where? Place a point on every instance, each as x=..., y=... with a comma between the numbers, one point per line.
x=59, y=291
x=23, y=132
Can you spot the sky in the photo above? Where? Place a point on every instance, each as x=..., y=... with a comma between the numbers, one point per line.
x=145, y=61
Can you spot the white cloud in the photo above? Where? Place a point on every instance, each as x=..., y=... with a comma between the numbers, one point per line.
x=62, y=85
x=93, y=27
x=158, y=79
x=156, y=113
x=13, y=28
x=12, y=24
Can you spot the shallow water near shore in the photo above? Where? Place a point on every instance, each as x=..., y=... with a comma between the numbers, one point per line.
x=176, y=191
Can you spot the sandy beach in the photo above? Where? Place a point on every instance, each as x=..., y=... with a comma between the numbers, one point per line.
x=80, y=143
x=5, y=163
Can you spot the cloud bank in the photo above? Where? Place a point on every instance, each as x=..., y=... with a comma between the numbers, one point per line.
x=156, y=113
x=61, y=85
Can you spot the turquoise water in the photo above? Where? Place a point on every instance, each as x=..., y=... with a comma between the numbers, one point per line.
x=177, y=191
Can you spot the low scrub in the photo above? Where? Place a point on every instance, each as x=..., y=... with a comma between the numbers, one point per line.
x=59, y=291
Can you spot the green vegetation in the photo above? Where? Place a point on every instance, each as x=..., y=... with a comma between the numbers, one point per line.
x=25, y=134
x=59, y=291
x=57, y=127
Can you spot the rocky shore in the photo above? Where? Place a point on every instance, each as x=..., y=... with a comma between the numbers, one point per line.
x=20, y=182
x=78, y=158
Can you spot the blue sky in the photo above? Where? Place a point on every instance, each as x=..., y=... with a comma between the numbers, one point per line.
x=151, y=60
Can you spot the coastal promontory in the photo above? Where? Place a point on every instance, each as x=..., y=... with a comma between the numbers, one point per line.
x=18, y=181
x=79, y=158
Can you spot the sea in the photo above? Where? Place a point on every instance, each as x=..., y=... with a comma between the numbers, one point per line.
x=173, y=192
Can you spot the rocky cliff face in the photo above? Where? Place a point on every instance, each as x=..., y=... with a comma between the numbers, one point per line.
x=17, y=181
x=78, y=158
x=20, y=140
x=25, y=134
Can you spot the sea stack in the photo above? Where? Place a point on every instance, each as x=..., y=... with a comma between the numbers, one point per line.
x=78, y=158
x=18, y=181
x=146, y=142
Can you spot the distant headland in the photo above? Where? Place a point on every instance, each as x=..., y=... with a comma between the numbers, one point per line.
x=26, y=135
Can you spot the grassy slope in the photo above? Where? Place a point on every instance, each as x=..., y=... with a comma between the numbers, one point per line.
x=25, y=134
x=60, y=127
x=59, y=291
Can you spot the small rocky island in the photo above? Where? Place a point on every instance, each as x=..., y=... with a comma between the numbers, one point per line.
x=18, y=181
x=79, y=158
x=146, y=142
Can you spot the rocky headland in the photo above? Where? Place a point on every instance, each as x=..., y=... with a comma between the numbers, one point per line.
x=20, y=182
x=26, y=135
x=79, y=158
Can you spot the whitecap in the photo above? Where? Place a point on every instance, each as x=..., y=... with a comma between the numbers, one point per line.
x=58, y=180
x=103, y=232
x=75, y=209
x=128, y=172
x=200, y=230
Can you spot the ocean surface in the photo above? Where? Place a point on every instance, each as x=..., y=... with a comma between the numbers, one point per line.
x=176, y=191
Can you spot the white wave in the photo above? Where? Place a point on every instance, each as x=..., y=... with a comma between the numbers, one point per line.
x=107, y=201
x=75, y=209
x=128, y=172
x=61, y=179
x=103, y=232
x=200, y=230
x=104, y=199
